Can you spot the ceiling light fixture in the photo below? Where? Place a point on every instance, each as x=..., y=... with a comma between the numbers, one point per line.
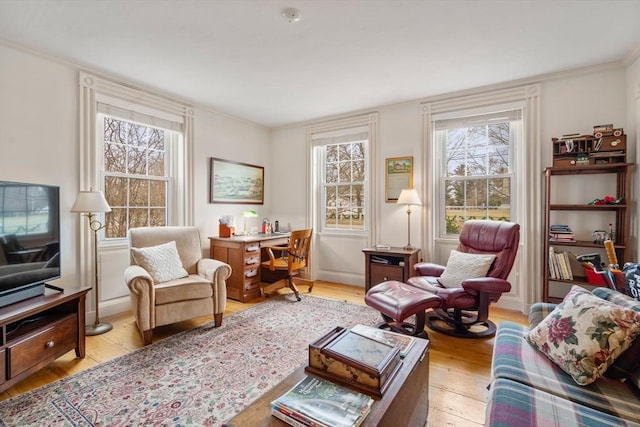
x=291, y=14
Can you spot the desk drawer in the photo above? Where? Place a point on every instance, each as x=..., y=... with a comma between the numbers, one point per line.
x=383, y=273
x=45, y=345
x=250, y=284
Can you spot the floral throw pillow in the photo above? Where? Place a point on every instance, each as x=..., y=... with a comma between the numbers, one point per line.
x=584, y=334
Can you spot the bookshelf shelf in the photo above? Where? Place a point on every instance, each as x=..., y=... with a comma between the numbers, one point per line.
x=619, y=211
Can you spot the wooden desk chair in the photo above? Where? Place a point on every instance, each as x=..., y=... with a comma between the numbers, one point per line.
x=291, y=258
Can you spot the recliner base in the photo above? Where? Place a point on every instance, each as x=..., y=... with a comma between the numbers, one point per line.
x=442, y=322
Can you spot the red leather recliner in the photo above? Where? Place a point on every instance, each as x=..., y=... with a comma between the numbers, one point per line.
x=464, y=310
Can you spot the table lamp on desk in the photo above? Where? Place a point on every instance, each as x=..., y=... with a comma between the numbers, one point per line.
x=247, y=214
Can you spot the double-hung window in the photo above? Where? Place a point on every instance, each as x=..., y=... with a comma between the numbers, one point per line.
x=476, y=155
x=137, y=153
x=136, y=178
x=342, y=178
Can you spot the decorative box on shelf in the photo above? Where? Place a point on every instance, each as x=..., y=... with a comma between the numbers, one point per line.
x=581, y=150
x=355, y=360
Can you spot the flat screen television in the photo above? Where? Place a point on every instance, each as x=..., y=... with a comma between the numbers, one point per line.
x=29, y=239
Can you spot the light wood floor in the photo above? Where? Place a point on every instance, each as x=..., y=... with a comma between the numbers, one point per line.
x=459, y=369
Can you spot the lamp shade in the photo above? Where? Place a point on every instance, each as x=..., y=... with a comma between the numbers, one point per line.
x=249, y=213
x=409, y=196
x=90, y=201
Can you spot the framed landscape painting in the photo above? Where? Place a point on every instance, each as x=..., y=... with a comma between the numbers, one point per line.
x=235, y=182
x=398, y=175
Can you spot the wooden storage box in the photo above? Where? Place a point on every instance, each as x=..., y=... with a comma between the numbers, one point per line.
x=225, y=231
x=355, y=360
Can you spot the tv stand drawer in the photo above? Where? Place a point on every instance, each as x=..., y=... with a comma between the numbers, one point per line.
x=48, y=344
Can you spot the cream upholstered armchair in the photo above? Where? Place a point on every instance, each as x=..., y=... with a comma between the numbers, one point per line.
x=170, y=281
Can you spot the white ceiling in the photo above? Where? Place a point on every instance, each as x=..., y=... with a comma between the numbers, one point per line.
x=243, y=58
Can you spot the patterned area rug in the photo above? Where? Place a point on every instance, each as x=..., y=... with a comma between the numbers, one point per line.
x=203, y=376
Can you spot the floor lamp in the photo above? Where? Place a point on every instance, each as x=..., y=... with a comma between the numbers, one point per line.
x=409, y=196
x=89, y=203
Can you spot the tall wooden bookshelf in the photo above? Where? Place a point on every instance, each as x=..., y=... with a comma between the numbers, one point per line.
x=584, y=243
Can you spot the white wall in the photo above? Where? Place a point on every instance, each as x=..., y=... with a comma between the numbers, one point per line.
x=220, y=136
x=39, y=137
x=39, y=143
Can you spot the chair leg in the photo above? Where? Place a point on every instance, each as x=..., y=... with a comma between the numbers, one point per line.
x=217, y=319
x=293, y=287
x=147, y=336
x=283, y=283
x=406, y=328
x=273, y=287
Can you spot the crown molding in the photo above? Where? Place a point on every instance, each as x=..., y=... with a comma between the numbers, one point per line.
x=83, y=68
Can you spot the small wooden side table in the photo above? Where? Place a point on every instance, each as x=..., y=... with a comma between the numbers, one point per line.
x=392, y=264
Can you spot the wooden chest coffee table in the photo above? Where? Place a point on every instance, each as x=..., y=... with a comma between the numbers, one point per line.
x=405, y=402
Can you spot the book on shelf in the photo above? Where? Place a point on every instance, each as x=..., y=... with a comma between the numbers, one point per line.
x=561, y=240
x=561, y=233
x=564, y=263
x=553, y=268
x=315, y=401
x=379, y=260
x=561, y=264
x=403, y=342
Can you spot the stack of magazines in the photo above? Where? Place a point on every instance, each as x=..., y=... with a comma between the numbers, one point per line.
x=316, y=402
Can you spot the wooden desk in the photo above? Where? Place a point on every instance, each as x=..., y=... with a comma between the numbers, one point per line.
x=405, y=403
x=244, y=254
x=398, y=266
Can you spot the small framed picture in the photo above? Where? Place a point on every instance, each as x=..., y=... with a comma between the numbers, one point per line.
x=398, y=176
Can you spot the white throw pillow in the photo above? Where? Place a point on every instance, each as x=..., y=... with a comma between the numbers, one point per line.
x=162, y=261
x=462, y=265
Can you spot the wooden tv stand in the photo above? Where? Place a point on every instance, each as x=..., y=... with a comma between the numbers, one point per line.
x=38, y=330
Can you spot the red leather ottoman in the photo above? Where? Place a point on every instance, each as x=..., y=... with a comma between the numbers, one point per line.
x=397, y=301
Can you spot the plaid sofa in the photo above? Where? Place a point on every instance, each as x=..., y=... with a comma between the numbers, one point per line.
x=527, y=389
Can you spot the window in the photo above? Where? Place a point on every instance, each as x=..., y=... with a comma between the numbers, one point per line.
x=344, y=186
x=343, y=165
x=476, y=155
x=136, y=174
x=26, y=210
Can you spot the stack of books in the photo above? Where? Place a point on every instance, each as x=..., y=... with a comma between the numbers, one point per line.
x=561, y=233
x=316, y=402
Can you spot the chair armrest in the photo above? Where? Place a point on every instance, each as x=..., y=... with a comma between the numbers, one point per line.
x=429, y=269
x=136, y=272
x=214, y=270
x=272, y=257
x=491, y=285
x=143, y=296
x=217, y=272
x=539, y=311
